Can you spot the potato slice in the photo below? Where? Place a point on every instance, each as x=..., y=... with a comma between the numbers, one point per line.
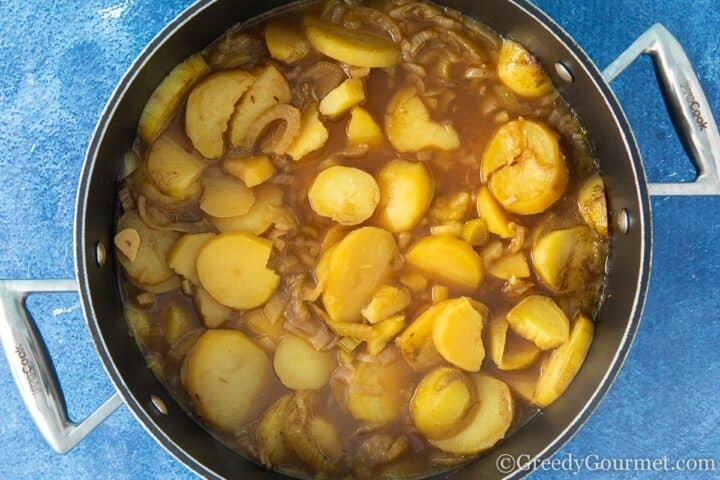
x=177, y=323
x=232, y=267
x=361, y=128
x=490, y=210
x=225, y=196
x=213, y=314
x=149, y=267
x=272, y=449
x=252, y=170
x=447, y=259
x=524, y=167
x=209, y=108
x=406, y=190
x=475, y=232
x=409, y=128
x=313, y=134
x=300, y=367
x=564, y=363
x=592, y=205
x=451, y=208
x=378, y=393
x=387, y=301
x=383, y=332
x=173, y=170
x=333, y=236
x=347, y=195
x=259, y=218
x=355, y=272
x=491, y=252
x=270, y=88
x=518, y=354
x=226, y=376
x=538, y=318
x=521, y=72
x=183, y=256
x=509, y=266
x=350, y=46
x=565, y=260
x=457, y=334
x=442, y=402
x=164, y=101
x=415, y=342
x=285, y=42
x=490, y=420
x=342, y=98
x=522, y=382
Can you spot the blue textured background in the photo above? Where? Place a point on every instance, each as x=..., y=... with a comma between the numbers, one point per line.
x=59, y=62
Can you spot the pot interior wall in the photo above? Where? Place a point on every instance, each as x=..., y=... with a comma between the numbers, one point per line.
x=204, y=22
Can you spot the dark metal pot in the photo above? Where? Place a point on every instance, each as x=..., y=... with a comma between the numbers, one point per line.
x=579, y=81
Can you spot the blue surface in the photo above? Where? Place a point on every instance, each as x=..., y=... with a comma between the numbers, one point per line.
x=59, y=62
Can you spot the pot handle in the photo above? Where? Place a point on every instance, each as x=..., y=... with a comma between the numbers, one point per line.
x=32, y=368
x=688, y=107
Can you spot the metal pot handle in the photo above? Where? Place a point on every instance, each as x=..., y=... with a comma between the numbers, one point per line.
x=32, y=368
x=688, y=107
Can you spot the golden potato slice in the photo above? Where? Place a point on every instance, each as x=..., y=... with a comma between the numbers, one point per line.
x=490, y=210
x=209, y=108
x=491, y=252
x=213, y=314
x=592, y=205
x=522, y=382
x=439, y=293
x=177, y=323
x=378, y=393
x=272, y=449
x=457, y=334
x=149, y=267
x=259, y=218
x=252, y=170
x=173, y=170
x=524, y=167
x=521, y=72
x=285, y=42
x=406, y=190
x=451, y=208
x=409, y=128
x=565, y=260
x=333, y=236
x=225, y=196
x=347, y=195
x=164, y=101
x=447, y=259
x=383, y=332
x=509, y=266
x=355, y=272
x=415, y=342
x=564, y=363
x=313, y=134
x=270, y=88
x=183, y=256
x=342, y=98
x=226, y=376
x=475, y=232
x=300, y=367
x=538, y=318
x=232, y=267
x=350, y=46
x=488, y=423
x=387, y=301
x=361, y=128
x=442, y=402
x=514, y=355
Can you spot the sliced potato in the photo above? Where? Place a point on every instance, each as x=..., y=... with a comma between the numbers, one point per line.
x=355, y=272
x=313, y=134
x=173, y=170
x=342, y=98
x=300, y=367
x=457, y=334
x=538, y=318
x=387, y=301
x=439, y=293
x=232, y=267
x=490, y=420
x=406, y=190
x=448, y=260
x=213, y=313
x=490, y=210
x=149, y=266
x=333, y=236
x=272, y=449
x=522, y=382
x=416, y=343
x=451, y=208
x=209, y=108
x=362, y=128
x=409, y=128
x=226, y=376
x=183, y=256
x=566, y=260
x=177, y=323
x=442, y=401
x=252, y=170
x=285, y=42
x=259, y=218
x=350, y=46
x=491, y=252
x=414, y=281
x=270, y=88
x=383, y=332
x=509, y=266
x=524, y=167
x=378, y=393
x=475, y=232
x=346, y=195
x=519, y=354
x=564, y=363
x=521, y=72
x=164, y=101
x=225, y=196
x=592, y=205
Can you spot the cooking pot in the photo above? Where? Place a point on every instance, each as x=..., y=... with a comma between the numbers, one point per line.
x=579, y=81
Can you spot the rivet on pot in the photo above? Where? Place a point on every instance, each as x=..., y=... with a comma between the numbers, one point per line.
x=100, y=254
x=623, y=221
x=159, y=404
x=564, y=72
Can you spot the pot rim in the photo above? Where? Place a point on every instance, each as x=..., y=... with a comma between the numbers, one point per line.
x=643, y=221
